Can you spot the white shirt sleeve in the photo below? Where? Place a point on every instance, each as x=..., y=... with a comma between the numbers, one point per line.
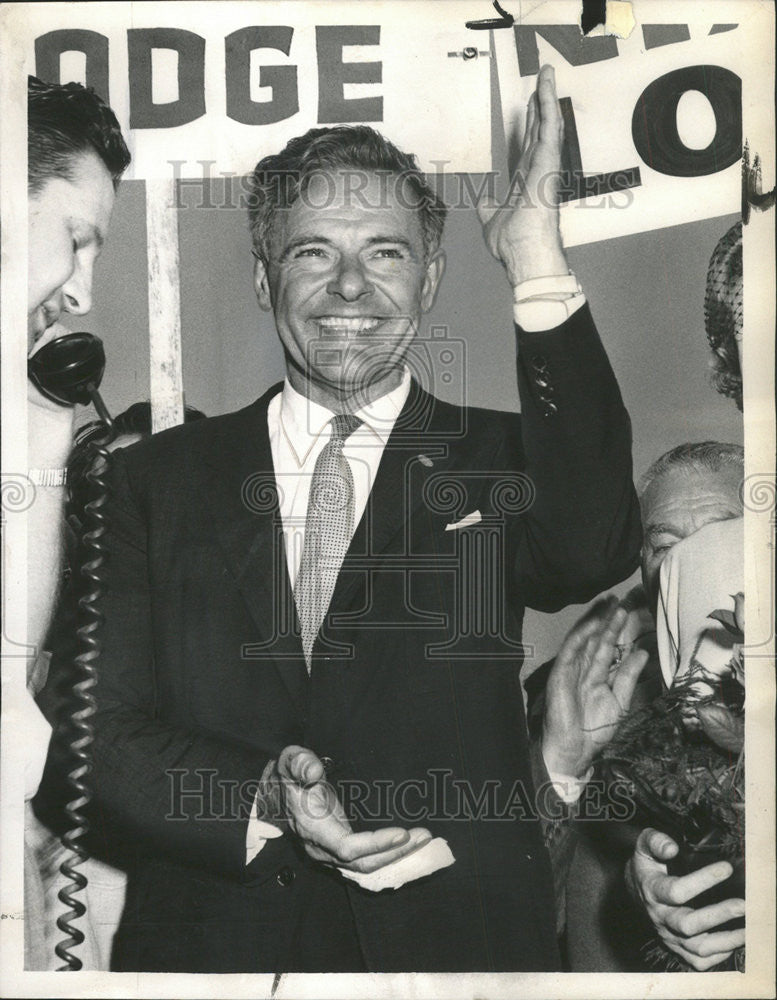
x=545, y=303
x=568, y=788
x=258, y=833
x=37, y=733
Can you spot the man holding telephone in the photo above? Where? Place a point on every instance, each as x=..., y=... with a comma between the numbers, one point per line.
x=76, y=155
x=283, y=618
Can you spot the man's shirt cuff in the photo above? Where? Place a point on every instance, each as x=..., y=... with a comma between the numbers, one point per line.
x=568, y=788
x=545, y=303
x=258, y=833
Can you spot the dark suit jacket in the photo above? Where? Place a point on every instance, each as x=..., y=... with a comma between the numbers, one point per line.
x=414, y=697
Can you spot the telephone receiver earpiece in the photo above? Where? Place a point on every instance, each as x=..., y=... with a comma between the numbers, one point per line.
x=69, y=370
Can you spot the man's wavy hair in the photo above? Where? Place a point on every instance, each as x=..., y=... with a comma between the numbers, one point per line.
x=702, y=456
x=723, y=313
x=64, y=121
x=279, y=180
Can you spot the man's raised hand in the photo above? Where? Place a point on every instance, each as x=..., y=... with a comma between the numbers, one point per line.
x=586, y=696
x=316, y=816
x=522, y=231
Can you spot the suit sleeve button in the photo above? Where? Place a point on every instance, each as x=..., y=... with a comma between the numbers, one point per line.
x=285, y=876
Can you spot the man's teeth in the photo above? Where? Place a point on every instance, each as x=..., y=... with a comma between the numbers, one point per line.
x=349, y=324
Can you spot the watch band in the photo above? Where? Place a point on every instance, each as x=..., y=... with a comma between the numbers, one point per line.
x=48, y=477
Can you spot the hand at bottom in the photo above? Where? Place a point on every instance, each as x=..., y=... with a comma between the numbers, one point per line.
x=689, y=933
x=316, y=816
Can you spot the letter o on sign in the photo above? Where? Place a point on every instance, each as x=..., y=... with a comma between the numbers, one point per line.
x=654, y=122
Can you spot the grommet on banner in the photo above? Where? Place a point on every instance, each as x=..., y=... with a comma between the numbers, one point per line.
x=469, y=52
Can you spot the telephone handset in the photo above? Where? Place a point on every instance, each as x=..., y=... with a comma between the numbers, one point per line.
x=68, y=370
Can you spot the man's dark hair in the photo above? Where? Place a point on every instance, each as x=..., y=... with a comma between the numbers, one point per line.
x=723, y=313
x=278, y=180
x=65, y=121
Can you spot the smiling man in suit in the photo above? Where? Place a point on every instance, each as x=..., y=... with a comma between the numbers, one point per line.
x=296, y=694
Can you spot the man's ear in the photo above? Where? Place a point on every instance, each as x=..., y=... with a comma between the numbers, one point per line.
x=262, y=285
x=435, y=269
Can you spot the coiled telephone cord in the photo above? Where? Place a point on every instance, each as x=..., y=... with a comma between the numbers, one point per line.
x=84, y=704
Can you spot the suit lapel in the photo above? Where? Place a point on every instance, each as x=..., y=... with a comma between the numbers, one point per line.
x=242, y=497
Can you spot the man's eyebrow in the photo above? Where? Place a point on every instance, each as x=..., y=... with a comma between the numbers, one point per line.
x=661, y=529
x=93, y=231
x=302, y=241
x=390, y=238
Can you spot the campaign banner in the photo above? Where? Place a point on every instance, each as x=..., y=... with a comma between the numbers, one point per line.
x=215, y=86
x=653, y=120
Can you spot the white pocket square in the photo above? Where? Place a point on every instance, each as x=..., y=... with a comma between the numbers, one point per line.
x=465, y=522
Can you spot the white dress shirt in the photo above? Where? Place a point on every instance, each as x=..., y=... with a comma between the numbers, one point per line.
x=299, y=429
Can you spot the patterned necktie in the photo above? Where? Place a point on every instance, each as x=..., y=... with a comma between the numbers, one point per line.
x=328, y=532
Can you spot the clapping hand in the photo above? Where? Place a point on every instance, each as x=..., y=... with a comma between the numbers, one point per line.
x=316, y=816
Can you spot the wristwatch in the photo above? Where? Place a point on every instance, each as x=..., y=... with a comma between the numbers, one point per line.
x=48, y=477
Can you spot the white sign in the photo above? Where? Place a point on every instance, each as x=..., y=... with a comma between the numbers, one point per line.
x=653, y=121
x=205, y=82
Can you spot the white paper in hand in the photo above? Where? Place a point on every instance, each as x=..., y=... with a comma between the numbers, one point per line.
x=434, y=855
